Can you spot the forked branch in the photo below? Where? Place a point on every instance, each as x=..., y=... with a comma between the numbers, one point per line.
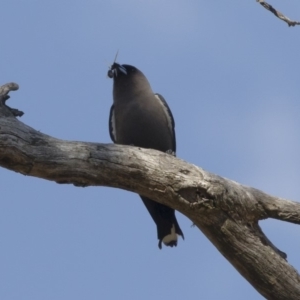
x=225, y=211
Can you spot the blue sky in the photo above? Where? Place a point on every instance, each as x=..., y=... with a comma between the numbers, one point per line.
x=230, y=73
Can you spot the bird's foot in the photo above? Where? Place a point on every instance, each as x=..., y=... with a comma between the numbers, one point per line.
x=170, y=151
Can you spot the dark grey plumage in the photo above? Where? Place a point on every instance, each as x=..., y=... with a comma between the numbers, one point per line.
x=141, y=118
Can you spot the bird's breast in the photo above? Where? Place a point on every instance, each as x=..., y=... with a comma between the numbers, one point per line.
x=143, y=124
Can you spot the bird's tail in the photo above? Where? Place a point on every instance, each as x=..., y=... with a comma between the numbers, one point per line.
x=167, y=226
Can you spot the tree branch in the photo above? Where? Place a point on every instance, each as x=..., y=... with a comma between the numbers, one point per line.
x=277, y=13
x=225, y=211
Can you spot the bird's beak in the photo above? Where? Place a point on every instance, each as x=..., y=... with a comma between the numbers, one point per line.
x=115, y=69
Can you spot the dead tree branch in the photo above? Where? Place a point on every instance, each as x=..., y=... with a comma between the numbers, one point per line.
x=225, y=211
x=277, y=13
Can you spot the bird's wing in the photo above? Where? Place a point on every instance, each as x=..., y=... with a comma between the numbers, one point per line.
x=112, y=124
x=170, y=118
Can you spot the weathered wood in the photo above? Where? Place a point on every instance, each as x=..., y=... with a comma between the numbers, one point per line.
x=277, y=13
x=225, y=211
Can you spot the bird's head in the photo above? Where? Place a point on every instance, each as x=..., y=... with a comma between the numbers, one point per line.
x=128, y=79
x=116, y=71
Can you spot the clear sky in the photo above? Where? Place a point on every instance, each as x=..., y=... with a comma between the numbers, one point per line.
x=230, y=73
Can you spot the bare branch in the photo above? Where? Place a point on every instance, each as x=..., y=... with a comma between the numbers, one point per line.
x=225, y=211
x=4, y=90
x=277, y=208
x=277, y=13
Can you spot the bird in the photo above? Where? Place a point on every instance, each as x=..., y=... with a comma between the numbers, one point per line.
x=142, y=118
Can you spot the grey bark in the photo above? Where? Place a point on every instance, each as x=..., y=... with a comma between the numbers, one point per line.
x=277, y=13
x=225, y=211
